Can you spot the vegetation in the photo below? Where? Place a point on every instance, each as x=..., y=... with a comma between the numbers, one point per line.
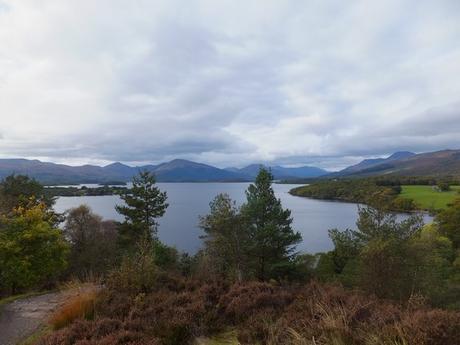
x=254, y=241
x=399, y=197
x=80, y=306
x=269, y=227
x=33, y=251
x=144, y=205
x=226, y=239
x=430, y=197
x=85, y=191
x=365, y=191
x=385, y=282
x=260, y=313
x=93, y=242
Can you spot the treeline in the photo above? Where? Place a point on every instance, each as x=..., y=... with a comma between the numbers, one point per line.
x=248, y=277
x=381, y=190
x=84, y=191
x=349, y=190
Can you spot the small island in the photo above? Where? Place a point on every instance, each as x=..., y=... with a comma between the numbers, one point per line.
x=54, y=191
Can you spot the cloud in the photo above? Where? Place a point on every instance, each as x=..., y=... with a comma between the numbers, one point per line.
x=228, y=83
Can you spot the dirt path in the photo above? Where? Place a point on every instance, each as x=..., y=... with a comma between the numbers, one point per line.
x=21, y=318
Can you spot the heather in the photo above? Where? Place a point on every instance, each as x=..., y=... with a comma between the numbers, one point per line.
x=261, y=313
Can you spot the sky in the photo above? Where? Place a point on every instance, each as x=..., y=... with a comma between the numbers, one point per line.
x=228, y=83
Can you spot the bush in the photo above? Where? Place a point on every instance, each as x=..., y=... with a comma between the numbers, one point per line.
x=79, y=307
x=403, y=204
x=137, y=272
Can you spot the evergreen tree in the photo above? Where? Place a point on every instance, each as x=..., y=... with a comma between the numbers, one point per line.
x=145, y=203
x=272, y=239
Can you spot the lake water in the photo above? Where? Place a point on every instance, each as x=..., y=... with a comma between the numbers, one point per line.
x=179, y=226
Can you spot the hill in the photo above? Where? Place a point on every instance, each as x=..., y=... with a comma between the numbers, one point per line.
x=280, y=173
x=178, y=170
x=368, y=163
x=439, y=163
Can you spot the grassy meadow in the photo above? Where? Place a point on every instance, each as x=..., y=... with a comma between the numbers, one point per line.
x=428, y=197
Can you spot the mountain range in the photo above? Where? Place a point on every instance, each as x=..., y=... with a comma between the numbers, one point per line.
x=439, y=163
x=178, y=170
x=446, y=162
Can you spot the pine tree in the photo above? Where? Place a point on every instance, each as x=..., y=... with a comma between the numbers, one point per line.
x=145, y=203
x=269, y=226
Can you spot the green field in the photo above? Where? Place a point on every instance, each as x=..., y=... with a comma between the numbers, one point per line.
x=427, y=197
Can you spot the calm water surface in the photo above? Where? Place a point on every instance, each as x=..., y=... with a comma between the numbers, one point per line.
x=179, y=226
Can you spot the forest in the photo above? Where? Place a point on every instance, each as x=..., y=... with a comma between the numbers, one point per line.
x=385, y=282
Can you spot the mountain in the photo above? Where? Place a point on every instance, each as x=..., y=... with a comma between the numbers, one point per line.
x=180, y=170
x=439, y=163
x=177, y=170
x=279, y=172
x=51, y=172
x=368, y=163
x=446, y=162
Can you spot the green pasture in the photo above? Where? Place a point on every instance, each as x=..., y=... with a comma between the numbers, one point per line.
x=428, y=197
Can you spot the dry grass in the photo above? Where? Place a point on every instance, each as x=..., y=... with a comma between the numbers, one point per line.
x=258, y=313
x=81, y=283
x=80, y=306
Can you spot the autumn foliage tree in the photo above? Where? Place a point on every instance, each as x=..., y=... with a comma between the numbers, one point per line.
x=32, y=252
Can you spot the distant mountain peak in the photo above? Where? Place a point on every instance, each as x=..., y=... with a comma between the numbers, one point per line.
x=116, y=165
x=401, y=155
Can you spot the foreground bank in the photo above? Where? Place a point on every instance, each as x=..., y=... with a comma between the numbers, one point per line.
x=390, y=281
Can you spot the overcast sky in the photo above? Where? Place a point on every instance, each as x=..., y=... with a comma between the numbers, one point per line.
x=228, y=82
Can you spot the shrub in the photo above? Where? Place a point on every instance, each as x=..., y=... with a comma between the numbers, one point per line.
x=137, y=272
x=79, y=307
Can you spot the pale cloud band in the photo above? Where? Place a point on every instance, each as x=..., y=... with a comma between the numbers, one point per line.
x=228, y=82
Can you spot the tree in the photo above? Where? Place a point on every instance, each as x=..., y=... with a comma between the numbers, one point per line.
x=383, y=261
x=431, y=257
x=378, y=223
x=22, y=191
x=346, y=247
x=448, y=221
x=145, y=203
x=32, y=252
x=444, y=186
x=93, y=242
x=377, y=256
x=272, y=241
x=226, y=238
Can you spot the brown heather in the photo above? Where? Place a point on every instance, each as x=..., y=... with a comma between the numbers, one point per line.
x=261, y=313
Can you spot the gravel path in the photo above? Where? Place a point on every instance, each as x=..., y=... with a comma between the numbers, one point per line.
x=21, y=318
